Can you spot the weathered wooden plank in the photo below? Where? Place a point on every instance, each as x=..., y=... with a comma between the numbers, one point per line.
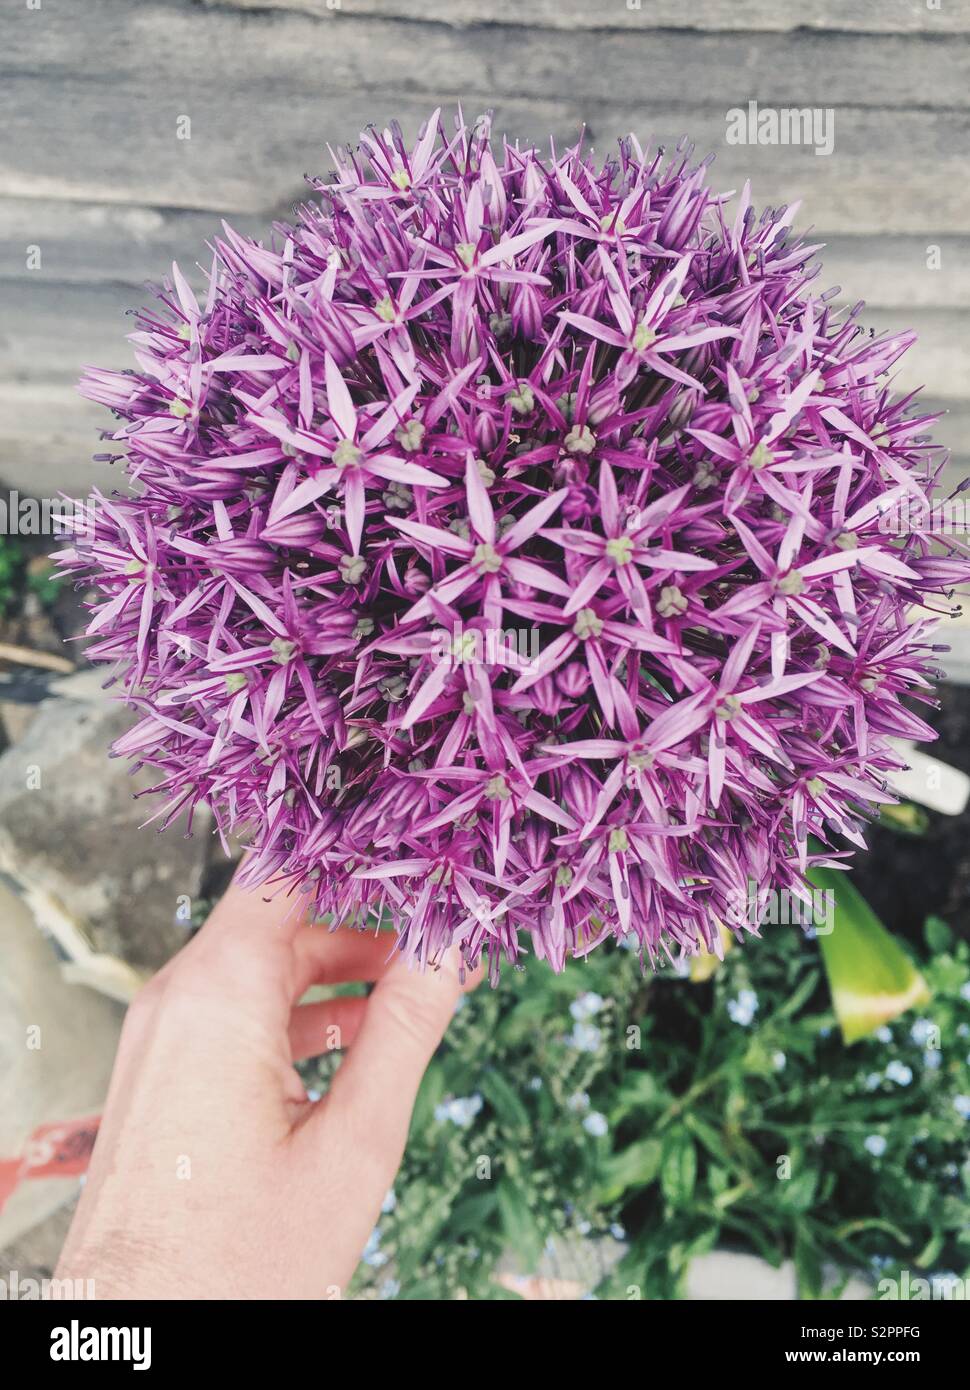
x=83, y=243
x=892, y=172
x=177, y=46
x=940, y=360
x=861, y=16
x=114, y=136
x=898, y=270
x=105, y=242
x=953, y=432
x=48, y=434
x=51, y=330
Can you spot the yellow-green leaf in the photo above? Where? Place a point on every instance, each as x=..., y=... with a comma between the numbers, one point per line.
x=871, y=977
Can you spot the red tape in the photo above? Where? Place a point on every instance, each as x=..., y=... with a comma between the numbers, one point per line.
x=61, y=1150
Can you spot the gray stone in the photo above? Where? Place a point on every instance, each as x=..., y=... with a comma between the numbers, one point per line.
x=727, y=1274
x=15, y=720
x=35, y=1253
x=70, y=841
x=57, y=1047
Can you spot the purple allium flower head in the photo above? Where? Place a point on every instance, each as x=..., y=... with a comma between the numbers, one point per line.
x=504, y=551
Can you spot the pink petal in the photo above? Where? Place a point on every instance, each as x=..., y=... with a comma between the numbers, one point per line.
x=339, y=403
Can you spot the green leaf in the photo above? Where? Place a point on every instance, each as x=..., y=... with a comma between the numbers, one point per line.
x=798, y=1192
x=798, y=997
x=712, y=1140
x=510, y=1110
x=939, y=937
x=633, y=1167
x=907, y=818
x=871, y=977
x=872, y=1223
x=524, y=1019
x=931, y=1250
x=704, y=1242
x=808, y=1266
x=636, y=1092
x=430, y=1093
x=519, y=1226
x=472, y=1214
x=948, y=974
x=678, y=1170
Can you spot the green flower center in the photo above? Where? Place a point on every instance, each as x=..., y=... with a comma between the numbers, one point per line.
x=463, y=647
x=567, y=405
x=352, y=568
x=410, y=436
x=643, y=336
x=497, y=789
x=611, y=223
x=282, y=649
x=398, y=497
x=587, y=624
x=521, y=399
x=487, y=559
x=791, y=583
x=672, y=602
x=394, y=688
x=346, y=454
x=620, y=549
x=580, y=440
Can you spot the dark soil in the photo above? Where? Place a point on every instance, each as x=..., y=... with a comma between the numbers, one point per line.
x=909, y=878
x=38, y=610
x=39, y=614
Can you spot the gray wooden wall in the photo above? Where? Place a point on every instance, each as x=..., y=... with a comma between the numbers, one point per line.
x=92, y=171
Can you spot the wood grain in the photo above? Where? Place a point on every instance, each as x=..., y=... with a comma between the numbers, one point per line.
x=92, y=172
x=851, y=16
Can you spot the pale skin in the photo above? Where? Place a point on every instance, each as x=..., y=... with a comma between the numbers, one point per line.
x=213, y=1175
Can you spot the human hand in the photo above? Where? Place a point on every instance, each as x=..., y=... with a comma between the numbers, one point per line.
x=213, y=1175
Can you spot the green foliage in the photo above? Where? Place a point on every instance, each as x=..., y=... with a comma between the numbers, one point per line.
x=11, y=573
x=44, y=581
x=684, y=1116
x=20, y=575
